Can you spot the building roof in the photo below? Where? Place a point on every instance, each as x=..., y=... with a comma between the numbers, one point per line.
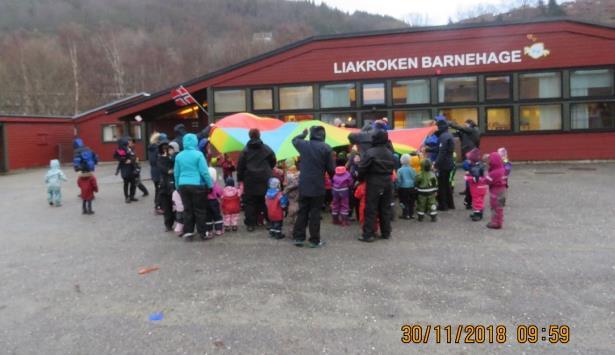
x=34, y=118
x=124, y=100
x=119, y=106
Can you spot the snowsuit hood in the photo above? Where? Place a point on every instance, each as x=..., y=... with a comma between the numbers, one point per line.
x=78, y=143
x=317, y=133
x=54, y=164
x=426, y=165
x=405, y=159
x=190, y=142
x=154, y=139
x=380, y=137
x=495, y=162
x=122, y=143
x=474, y=155
x=442, y=126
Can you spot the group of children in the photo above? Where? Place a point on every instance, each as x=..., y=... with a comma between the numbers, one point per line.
x=86, y=181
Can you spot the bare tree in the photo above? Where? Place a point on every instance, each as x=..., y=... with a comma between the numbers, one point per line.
x=110, y=48
x=416, y=19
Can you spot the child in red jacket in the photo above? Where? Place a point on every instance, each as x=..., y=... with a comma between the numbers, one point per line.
x=88, y=186
x=231, y=205
x=276, y=203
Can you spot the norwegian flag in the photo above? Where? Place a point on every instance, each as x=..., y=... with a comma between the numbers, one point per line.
x=182, y=97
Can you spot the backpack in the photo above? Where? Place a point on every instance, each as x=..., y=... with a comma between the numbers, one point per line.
x=85, y=160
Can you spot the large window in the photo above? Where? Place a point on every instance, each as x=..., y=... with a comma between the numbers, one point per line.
x=262, y=99
x=458, y=89
x=540, y=85
x=499, y=119
x=297, y=117
x=337, y=95
x=412, y=118
x=497, y=87
x=296, y=97
x=460, y=115
x=411, y=92
x=347, y=119
x=373, y=94
x=112, y=132
x=591, y=82
x=230, y=100
x=540, y=118
x=593, y=115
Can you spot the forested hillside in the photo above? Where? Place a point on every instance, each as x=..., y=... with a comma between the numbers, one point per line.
x=67, y=56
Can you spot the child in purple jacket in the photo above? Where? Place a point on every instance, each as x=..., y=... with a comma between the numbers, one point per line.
x=215, y=222
x=342, y=182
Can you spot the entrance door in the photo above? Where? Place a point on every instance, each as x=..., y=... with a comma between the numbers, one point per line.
x=3, y=152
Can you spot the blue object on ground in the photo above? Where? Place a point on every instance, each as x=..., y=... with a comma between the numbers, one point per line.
x=156, y=316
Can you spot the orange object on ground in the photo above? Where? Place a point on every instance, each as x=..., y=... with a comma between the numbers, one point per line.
x=147, y=270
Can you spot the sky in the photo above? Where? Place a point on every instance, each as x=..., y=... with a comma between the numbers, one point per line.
x=438, y=11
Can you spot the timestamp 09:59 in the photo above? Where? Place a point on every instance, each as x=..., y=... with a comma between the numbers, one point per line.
x=481, y=334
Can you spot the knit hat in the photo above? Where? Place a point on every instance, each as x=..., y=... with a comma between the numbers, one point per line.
x=175, y=146
x=213, y=174
x=340, y=170
x=503, y=154
x=405, y=159
x=274, y=183
x=229, y=182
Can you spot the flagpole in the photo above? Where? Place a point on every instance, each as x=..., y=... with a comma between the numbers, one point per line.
x=196, y=101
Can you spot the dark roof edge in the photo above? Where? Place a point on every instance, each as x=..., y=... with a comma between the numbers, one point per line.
x=316, y=38
x=12, y=115
x=110, y=104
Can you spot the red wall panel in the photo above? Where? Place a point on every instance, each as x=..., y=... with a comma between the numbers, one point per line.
x=35, y=144
x=568, y=146
x=90, y=131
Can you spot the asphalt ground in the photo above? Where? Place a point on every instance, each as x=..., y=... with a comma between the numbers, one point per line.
x=69, y=283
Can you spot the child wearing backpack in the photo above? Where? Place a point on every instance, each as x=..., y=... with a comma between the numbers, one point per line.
x=53, y=179
x=231, y=205
x=276, y=203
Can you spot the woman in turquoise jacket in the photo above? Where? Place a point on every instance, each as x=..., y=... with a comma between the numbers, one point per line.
x=193, y=182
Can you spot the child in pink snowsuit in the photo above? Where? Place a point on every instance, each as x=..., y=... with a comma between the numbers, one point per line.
x=231, y=205
x=475, y=177
x=342, y=182
x=215, y=223
x=497, y=180
x=178, y=207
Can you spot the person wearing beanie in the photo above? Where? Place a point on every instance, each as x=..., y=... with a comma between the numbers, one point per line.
x=376, y=168
x=444, y=165
x=315, y=161
x=254, y=168
x=175, y=147
x=231, y=205
x=340, y=207
x=276, y=203
x=426, y=186
x=152, y=156
x=215, y=223
x=406, y=189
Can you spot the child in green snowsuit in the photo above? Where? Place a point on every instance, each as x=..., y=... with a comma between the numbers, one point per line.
x=427, y=186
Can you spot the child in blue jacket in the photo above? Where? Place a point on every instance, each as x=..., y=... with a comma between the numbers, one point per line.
x=406, y=189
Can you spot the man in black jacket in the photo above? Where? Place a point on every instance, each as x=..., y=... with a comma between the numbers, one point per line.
x=469, y=135
x=254, y=169
x=315, y=160
x=180, y=131
x=445, y=164
x=376, y=168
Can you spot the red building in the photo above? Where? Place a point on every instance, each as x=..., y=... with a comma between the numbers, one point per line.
x=543, y=89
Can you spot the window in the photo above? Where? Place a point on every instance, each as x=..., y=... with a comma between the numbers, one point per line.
x=373, y=94
x=112, y=132
x=370, y=117
x=262, y=100
x=540, y=85
x=230, y=100
x=540, y=118
x=460, y=115
x=297, y=117
x=412, y=119
x=296, y=97
x=591, y=82
x=459, y=89
x=497, y=87
x=337, y=95
x=411, y=92
x=137, y=131
x=348, y=119
x=499, y=119
x=593, y=115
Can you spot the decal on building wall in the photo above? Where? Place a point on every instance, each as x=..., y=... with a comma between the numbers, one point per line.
x=535, y=51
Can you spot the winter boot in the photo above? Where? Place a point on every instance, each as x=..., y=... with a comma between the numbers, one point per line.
x=434, y=217
x=336, y=219
x=420, y=217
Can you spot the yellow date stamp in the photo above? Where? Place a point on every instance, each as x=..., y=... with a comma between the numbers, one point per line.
x=484, y=334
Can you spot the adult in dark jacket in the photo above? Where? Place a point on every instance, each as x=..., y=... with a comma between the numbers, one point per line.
x=376, y=168
x=468, y=134
x=445, y=164
x=180, y=132
x=165, y=163
x=315, y=160
x=254, y=168
x=127, y=165
x=363, y=139
x=152, y=156
x=84, y=159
